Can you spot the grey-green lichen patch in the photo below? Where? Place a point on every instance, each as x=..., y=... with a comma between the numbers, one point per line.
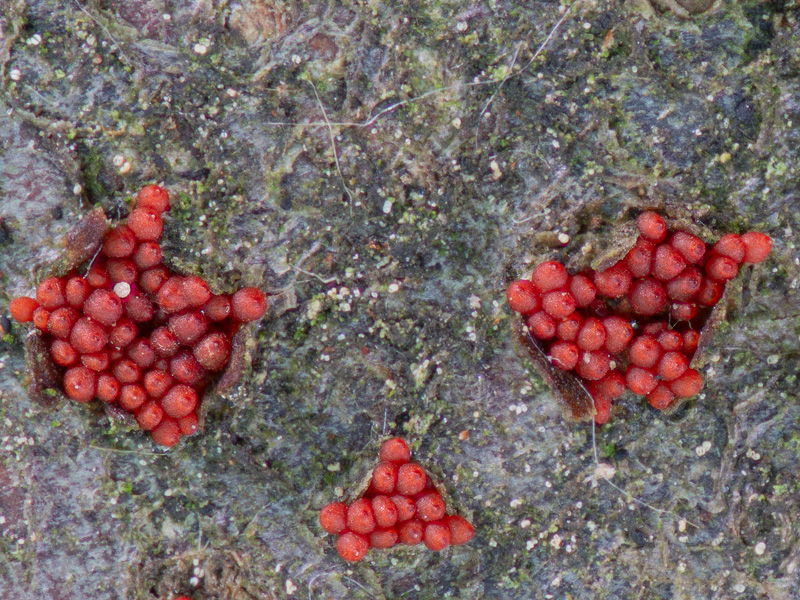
x=365, y=160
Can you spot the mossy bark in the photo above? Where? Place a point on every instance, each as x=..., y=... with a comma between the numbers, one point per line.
x=386, y=168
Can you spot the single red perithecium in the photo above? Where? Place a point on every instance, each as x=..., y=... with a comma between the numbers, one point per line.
x=333, y=517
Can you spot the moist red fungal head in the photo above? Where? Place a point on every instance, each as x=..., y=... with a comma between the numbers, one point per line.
x=248, y=304
x=685, y=286
x=196, y=291
x=333, y=517
x=395, y=450
x=96, y=276
x=213, y=351
x=352, y=546
x=406, y=507
x=98, y=361
x=593, y=365
x=522, y=297
x=80, y=383
x=147, y=255
x=151, y=280
x=672, y=365
x=661, y=397
x=757, y=246
x=164, y=342
x=411, y=532
x=710, y=292
x=383, y=538
x=385, y=511
x=687, y=385
x=430, y=507
x=218, y=308
x=188, y=425
x=384, y=478
x=170, y=296
x=437, y=536
x=669, y=340
x=179, y=401
x=682, y=311
x=188, y=327
x=652, y=227
x=107, y=388
x=104, y=306
x=639, y=316
x=582, y=289
x=119, y=242
x=61, y=321
x=647, y=296
x=131, y=397
x=644, y=351
x=460, y=530
x=592, y=334
x=619, y=333
x=88, y=336
x=149, y=415
x=156, y=383
x=567, y=330
x=542, y=325
x=141, y=352
x=153, y=197
x=40, y=318
x=76, y=291
x=411, y=479
x=50, y=293
x=656, y=327
x=121, y=269
x=732, y=246
x=558, y=304
x=63, y=354
x=690, y=340
x=689, y=246
x=548, y=276
x=146, y=224
x=565, y=355
x=722, y=268
x=139, y=308
x=360, y=516
x=22, y=309
x=614, y=281
x=123, y=333
x=185, y=368
x=126, y=371
x=640, y=381
x=667, y=263
x=639, y=259
x=612, y=385
x=129, y=331
x=379, y=519
x=167, y=433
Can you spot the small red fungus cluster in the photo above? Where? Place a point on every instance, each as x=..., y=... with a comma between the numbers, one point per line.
x=611, y=328
x=132, y=332
x=400, y=505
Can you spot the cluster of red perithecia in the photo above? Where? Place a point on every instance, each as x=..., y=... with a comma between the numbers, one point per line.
x=132, y=332
x=400, y=505
x=609, y=327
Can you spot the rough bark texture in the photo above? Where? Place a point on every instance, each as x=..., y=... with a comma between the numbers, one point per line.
x=390, y=166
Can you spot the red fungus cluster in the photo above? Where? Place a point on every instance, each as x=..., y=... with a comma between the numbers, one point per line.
x=612, y=328
x=132, y=332
x=399, y=506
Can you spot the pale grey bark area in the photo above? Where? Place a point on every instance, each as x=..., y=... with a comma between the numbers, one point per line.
x=389, y=167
